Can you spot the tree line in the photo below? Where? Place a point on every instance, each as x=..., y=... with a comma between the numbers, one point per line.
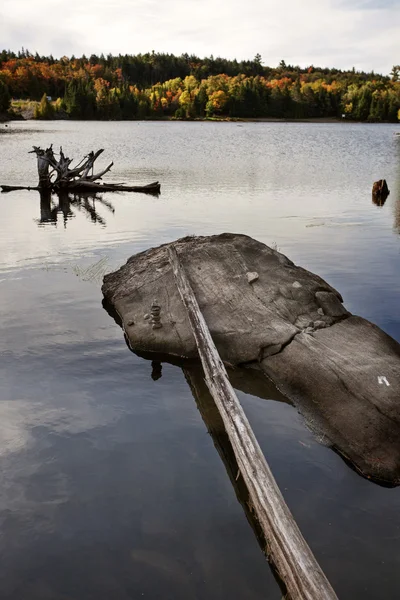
x=156, y=85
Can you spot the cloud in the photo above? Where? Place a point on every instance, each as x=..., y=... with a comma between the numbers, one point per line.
x=341, y=33
x=368, y=4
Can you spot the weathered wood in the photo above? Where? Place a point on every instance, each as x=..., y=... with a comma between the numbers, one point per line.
x=80, y=178
x=13, y=188
x=89, y=186
x=101, y=173
x=151, y=188
x=92, y=157
x=287, y=549
x=45, y=159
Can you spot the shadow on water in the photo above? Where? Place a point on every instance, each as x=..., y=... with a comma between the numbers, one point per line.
x=63, y=206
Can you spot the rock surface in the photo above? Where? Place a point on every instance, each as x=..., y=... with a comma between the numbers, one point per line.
x=342, y=372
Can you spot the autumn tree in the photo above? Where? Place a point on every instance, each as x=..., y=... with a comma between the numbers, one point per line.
x=157, y=84
x=44, y=109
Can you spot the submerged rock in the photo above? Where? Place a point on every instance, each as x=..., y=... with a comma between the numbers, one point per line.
x=342, y=372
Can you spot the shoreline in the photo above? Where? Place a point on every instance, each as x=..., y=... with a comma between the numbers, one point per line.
x=11, y=118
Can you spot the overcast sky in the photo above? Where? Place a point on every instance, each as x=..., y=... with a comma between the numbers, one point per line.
x=334, y=33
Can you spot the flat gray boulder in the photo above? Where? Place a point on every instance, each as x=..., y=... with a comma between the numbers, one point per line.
x=341, y=371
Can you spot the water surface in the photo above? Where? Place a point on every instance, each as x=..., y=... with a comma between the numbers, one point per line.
x=111, y=486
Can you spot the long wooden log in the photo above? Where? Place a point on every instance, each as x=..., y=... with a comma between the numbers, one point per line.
x=286, y=547
x=13, y=188
x=151, y=188
x=90, y=186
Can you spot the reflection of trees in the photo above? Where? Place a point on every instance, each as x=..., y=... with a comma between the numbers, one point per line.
x=66, y=203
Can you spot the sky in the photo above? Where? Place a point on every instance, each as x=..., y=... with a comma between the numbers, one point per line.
x=364, y=34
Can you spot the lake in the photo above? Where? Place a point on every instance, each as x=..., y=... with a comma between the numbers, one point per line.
x=111, y=484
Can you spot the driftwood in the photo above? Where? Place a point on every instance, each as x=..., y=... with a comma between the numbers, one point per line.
x=287, y=549
x=56, y=175
x=151, y=188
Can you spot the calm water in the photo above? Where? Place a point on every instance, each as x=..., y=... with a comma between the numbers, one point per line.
x=111, y=486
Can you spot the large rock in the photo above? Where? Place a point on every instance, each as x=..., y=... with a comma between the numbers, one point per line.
x=342, y=372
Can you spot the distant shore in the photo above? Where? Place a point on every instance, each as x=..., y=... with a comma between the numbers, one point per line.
x=18, y=117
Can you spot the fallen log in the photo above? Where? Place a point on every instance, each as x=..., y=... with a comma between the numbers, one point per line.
x=286, y=547
x=56, y=175
x=12, y=188
x=151, y=188
x=341, y=371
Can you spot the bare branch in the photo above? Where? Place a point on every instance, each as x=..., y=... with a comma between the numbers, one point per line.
x=100, y=174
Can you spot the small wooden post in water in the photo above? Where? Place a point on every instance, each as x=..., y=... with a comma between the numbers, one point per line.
x=43, y=165
x=286, y=547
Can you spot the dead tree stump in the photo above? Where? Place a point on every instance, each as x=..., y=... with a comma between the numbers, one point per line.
x=57, y=176
x=380, y=192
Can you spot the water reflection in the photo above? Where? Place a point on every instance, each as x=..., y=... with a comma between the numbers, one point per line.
x=64, y=204
x=156, y=372
x=147, y=493
x=249, y=381
x=379, y=201
x=209, y=412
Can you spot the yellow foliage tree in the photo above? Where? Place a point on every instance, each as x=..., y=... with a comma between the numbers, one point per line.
x=216, y=102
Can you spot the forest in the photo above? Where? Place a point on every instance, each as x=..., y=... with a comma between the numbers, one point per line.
x=156, y=85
